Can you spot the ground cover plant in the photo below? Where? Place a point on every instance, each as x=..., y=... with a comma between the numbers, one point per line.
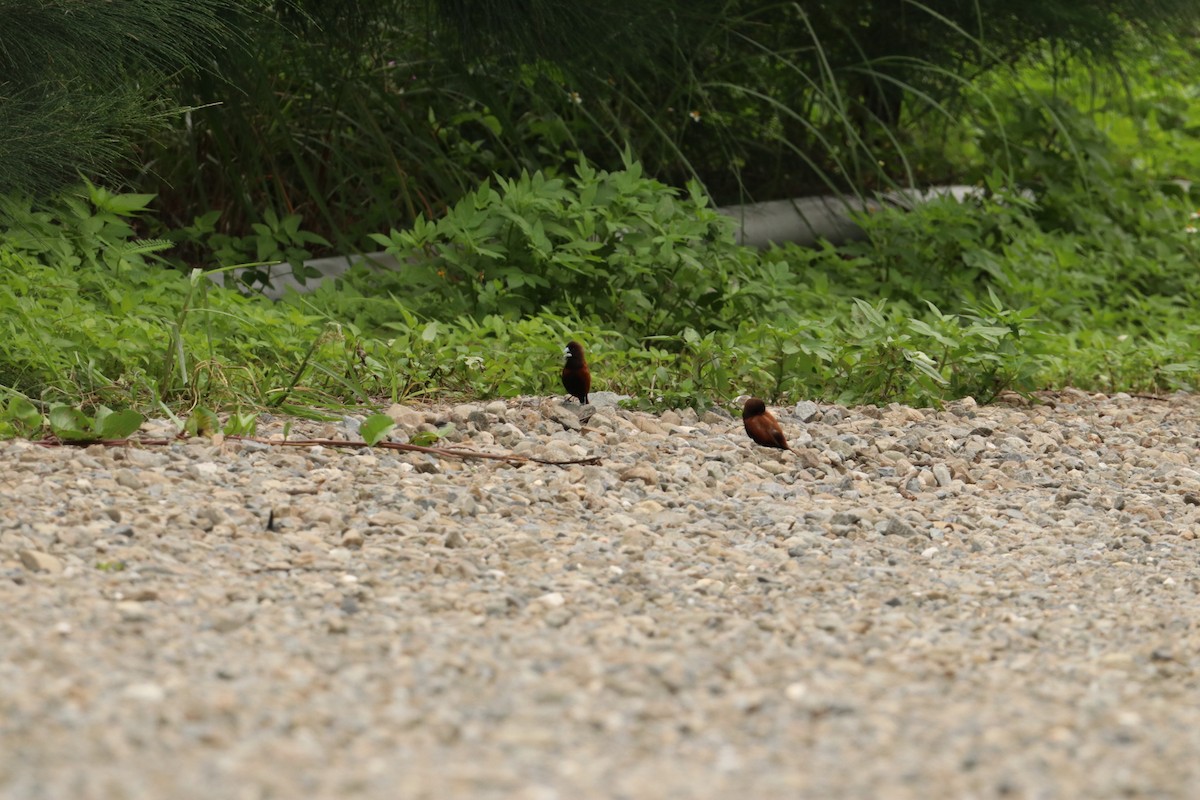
x=1073, y=265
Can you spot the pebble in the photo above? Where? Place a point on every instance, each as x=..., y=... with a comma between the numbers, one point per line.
x=941, y=474
x=129, y=479
x=150, y=693
x=37, y=561
x=640, y=472
x=806, y=411
x=133, y=611
x=405, y=417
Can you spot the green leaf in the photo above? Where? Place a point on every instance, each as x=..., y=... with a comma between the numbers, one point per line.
x=376, y=428
x=241, y=424
x=291, y=224
x=126, y=204
x=142, y=246
x=924, y=365
x=423, y=439
x=429, y=438
x=23, y=413
x=119, y=424
x=70, y=423
x=202, y=422
x=384, y=241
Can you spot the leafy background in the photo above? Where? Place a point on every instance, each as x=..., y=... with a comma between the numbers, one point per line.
x=535, y=192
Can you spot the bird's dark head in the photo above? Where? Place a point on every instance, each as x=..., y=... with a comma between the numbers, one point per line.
x=753, y=407
x=573, y=350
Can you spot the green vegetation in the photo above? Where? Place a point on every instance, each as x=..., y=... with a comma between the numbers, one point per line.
x=1074, y=264
x=80, y=82
x=361, y=116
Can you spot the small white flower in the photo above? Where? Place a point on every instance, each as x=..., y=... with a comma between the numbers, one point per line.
x=695, y=115
x=575, y=98
x=1195, y=215
x=1190, y=229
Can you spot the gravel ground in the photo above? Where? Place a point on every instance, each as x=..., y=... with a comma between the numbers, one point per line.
x=975, y=602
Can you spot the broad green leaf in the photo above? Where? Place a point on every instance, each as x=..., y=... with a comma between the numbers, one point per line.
x=119, y=424
x=70, y=423
x=23, y=412
x=383, y=241
x=202, y=422
x=126, y=204
x=423, y=439
x=291, y=224
x=376, y=428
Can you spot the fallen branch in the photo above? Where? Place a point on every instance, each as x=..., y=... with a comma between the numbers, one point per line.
x=416, y=448
x=450, y=452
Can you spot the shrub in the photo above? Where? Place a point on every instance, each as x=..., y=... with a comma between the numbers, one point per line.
x=615, y=247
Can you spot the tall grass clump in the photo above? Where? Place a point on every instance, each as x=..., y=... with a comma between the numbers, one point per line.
x=82, y=82
x=359, y=118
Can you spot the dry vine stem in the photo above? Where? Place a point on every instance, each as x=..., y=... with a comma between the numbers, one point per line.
x=416, y=448
x=511, y=458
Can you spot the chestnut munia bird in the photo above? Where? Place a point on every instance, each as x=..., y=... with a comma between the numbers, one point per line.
x=762, y=426
x=576, y=377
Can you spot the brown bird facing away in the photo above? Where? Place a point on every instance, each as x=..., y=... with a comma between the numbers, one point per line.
x=576, y=377
x=762, y=426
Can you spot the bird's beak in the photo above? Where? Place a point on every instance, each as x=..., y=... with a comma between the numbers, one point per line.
x=566, y=352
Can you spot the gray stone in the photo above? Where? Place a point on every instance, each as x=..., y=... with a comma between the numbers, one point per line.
x=129, y=479
x=37, y=561
x=133, y=611
x=806, y=410
x=405, y=416
x=897, y=527
x=566, y=416
x=941, y=474
x=606, y=399
x=640, y=472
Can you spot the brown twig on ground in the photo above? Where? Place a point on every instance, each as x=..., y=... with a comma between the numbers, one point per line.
x=450, y=452
x=416, y=448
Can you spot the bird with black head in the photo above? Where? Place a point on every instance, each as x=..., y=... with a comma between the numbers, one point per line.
x=761, y=425
x=576, y=377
